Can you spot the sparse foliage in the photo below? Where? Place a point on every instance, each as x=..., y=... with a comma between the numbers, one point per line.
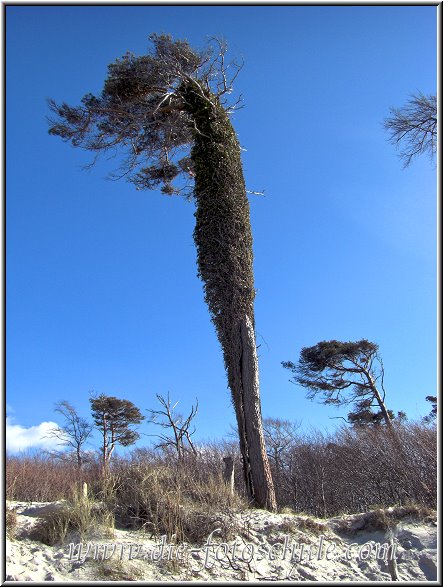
x=279, y=436
x=10, y=522
x=413, y=128
x=79, y=517
x=343, y=373
x=168, y=113
x=74, y=432
x=114, y=419
x=179, y=439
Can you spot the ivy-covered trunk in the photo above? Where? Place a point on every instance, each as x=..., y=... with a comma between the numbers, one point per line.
x=224, y=255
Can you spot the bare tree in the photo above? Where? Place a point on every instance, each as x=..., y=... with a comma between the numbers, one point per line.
x=75, y=431
x=342, y=373
x=168, y=112
x=180, y=427
x=280, y=435
x=413, y=128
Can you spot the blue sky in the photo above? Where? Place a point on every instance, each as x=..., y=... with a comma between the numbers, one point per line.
x=101, y=285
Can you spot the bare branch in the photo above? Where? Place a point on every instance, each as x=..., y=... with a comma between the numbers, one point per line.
x=413, y=128
x=180, y=426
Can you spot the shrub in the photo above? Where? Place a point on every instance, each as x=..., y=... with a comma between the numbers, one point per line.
x=42, y=478
x=353, y=470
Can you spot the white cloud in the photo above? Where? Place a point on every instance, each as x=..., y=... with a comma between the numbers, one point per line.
x=19, y=438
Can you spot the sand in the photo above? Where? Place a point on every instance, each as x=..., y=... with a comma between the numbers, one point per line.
x=267, y=547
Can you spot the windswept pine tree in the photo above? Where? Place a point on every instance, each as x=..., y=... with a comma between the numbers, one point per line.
x=115, y=419
x=343, y=373
x=169, y=114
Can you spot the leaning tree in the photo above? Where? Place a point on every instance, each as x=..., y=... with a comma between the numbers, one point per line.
x=169, y=113
x=343, y=373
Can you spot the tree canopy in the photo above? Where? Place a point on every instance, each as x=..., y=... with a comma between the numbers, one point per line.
x=342, y=373
x=114, y=418
x=143, y=111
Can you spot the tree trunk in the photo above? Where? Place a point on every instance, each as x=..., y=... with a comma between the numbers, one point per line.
x=228, y=473
x=263, y=487
x=79, y=458
x=378, y=397
x=223, y=240
x=383, y=409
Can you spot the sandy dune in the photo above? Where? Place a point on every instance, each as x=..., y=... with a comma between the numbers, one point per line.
x=268, y=547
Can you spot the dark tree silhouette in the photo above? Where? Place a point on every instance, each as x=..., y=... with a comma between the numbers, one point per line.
x=114, y=419
x=413, y=128
x=432, y=416
x=365, y=415
x=342, y=373
x=168, y=112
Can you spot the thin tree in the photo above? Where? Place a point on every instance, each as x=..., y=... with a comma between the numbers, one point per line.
x=180, y=428
x=169, y=114
x=114, y=418
x=74, y=432
x=342, y=373
x=413, y=127
x=280, y=436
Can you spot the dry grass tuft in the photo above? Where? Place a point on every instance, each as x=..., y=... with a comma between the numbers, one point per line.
x=79, y=518
x=383, y=520
x=172, y=501
x=418, y=512
x=117, y=570
x=301, y=523
x=309, y=525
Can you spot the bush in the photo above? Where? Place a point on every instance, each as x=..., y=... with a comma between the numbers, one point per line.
x=42, y=478
x=355, y=470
